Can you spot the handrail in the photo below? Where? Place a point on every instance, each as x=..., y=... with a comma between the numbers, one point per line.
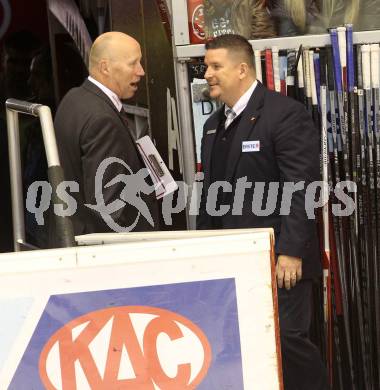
x=64, y=228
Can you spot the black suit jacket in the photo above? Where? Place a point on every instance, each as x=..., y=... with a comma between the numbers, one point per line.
x=89, y=129
x=288, y=152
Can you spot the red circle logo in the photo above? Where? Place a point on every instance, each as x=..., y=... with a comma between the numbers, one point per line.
x=126, y=347
x=198, y=22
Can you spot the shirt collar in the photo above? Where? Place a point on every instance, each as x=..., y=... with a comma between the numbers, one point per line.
x=241, y=104
x=112, y=95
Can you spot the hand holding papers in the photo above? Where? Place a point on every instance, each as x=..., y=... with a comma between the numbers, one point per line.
x=163, y=181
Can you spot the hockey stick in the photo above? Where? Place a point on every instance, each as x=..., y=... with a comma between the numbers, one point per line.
x=342, y=263
x=259, y=75
x=313, y=90
x=300, y=79
x=374, y=49
x=306, y=67
x=364, y=231
x=353, y=218
x=276, y=69
x=291, y=74
x=325, y=215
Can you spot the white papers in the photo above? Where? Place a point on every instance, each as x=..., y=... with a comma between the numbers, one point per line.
x=163, y=181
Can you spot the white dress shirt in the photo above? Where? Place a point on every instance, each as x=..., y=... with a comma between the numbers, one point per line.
x=241, y=104
x=112, y=95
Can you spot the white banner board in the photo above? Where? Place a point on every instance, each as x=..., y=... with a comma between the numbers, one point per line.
x=196, y=312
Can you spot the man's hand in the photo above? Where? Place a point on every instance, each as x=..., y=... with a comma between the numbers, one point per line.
x=288, y=271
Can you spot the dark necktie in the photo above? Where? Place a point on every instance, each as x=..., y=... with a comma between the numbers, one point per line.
x=125, y=117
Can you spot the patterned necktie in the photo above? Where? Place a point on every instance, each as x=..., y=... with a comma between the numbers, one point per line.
x=124, y=115
x=230, y=116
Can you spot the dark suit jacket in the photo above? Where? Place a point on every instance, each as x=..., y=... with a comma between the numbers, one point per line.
x=89, y=129
x=289, y=152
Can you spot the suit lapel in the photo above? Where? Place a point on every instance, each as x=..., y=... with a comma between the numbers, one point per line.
x=208, y=143
x=98, y=92
x=87, y=84
x=247, y=123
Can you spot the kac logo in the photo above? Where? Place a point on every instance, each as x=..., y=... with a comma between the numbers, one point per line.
x=126, y=347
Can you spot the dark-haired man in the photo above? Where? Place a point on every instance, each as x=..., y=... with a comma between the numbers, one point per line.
x=259, y=136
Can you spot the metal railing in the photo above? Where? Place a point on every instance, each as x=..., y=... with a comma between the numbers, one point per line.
x=63, y=225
